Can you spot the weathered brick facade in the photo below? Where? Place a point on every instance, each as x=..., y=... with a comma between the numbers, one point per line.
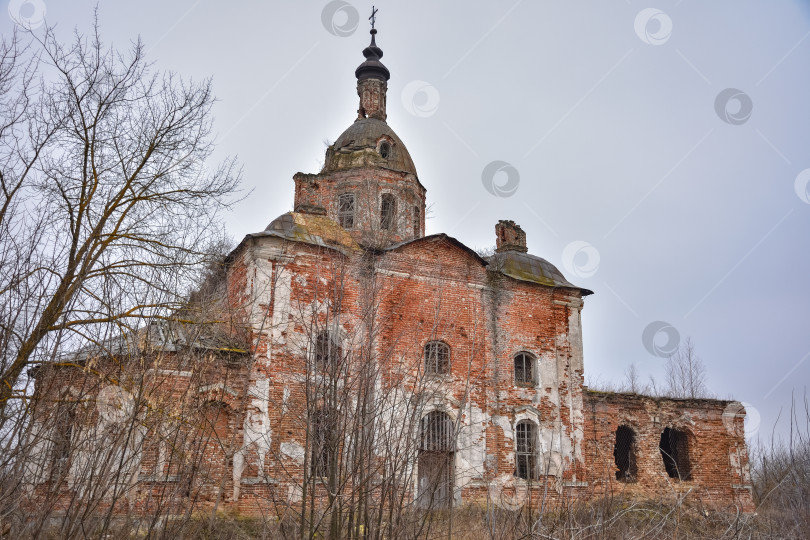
x=412, y=363
x=713, y=458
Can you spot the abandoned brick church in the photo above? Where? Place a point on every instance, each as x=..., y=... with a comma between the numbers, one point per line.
x=410, y=364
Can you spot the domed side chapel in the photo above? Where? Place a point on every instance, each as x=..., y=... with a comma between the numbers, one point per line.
x=413, y=367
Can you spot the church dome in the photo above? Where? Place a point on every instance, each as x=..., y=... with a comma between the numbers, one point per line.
x=526, y=267
x=369, y=142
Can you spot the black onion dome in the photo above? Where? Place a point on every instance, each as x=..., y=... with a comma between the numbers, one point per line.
x=372, y=68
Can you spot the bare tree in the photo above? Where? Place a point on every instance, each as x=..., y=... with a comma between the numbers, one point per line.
x=122, y=434
x=632, y=383
x=686, y=374
x=107, y=207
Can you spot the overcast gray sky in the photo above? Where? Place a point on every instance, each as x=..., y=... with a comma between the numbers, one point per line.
x=658, y=148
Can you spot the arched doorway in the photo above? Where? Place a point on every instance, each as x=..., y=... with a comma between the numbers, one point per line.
x=436, y=460
x=624, y=454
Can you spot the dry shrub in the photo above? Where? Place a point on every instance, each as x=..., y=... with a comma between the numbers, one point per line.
x=780, y=472
x=603, y=519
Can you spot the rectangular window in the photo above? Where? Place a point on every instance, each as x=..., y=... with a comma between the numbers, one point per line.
x=63, y=433
x=524, y=370
x=387, y=208
x=346, y=210
x=437, y=358
x=526, y=466
x=328, y=353
x=322, y=446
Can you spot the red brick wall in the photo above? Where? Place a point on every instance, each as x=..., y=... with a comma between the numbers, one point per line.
x=717, y=452
x=436, y=290
x=368, y=185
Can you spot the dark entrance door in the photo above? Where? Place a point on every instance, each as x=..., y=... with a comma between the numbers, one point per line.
x=436, y=453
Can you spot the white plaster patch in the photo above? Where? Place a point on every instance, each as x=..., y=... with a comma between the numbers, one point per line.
x=281, y=308
x=471, y=443
x=504, y=423
x=294, y=451
x=509, y=492
x=551, y=458
x=547, y=365
x=101, y=453
x=285, y=398
x=238, y=469
x=294, y=493
x=478, y=420
x=575, y=338
x=257, y=432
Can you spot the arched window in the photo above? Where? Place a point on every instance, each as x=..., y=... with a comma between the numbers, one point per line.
x=624, y=454
x=328, y=352
x=526, y=450
x=674, y=447
x=387, y=211
x=436, y=451
x=524, y=369
x=346, y=210
x=417, y=226
x=437, y=358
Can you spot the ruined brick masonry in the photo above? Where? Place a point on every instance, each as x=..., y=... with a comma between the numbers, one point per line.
x=474, y=364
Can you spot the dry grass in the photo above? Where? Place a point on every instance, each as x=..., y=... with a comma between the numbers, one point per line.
x=603, y=519
x=781, y=486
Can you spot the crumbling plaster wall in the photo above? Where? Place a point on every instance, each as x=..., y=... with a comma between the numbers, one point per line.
x=435, y=290
x=427, y=291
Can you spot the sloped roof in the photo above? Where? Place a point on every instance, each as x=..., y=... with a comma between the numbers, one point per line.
x=515, y=264
x=437, y=237
x=526, y=267
x=310, y=229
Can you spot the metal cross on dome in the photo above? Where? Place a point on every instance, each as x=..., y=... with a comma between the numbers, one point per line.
x=373, y=17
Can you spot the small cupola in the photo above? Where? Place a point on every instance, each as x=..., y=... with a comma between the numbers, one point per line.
x=372, y=82
x=368, y=184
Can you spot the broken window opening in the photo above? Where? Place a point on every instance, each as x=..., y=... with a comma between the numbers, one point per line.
x=526, y=450
x=328, y=353
x=674, y=447
x=346, y=210
x=387, y=210
x=436, y=460
x=416, y=218
x=624, y=454
x=524, y=369
x=385, y=150
x=437, y=358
